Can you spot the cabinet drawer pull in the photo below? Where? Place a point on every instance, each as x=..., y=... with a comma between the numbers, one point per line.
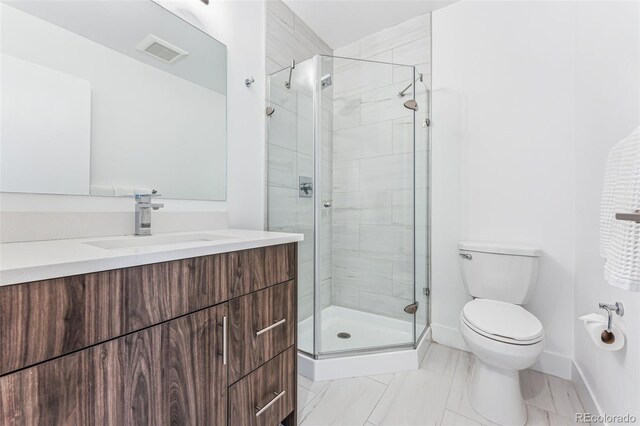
x=274, y=325
x=224, y=340
x=260, y=410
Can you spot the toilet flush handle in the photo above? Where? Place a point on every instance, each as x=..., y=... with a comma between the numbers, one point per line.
x=466, y=256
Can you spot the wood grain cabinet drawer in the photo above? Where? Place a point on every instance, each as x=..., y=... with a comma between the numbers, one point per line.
x=46, y=319
x=49, y=318
x=255, y=269
x=262, y=325
x=168, y=374
x=266, y=396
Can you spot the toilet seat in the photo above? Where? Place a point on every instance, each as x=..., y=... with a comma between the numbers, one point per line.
x=502, y=321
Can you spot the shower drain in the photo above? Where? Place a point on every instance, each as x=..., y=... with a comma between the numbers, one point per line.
x=344, y=335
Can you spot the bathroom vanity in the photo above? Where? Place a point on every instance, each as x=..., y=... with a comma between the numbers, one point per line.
x=174, y=329
x=199, y=332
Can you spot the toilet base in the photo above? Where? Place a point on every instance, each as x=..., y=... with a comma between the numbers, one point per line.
x=495, y=394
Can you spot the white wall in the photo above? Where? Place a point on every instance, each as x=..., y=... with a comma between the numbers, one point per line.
x=523, y=121
x=503, y=116
x=239, y=25
x=608, y=108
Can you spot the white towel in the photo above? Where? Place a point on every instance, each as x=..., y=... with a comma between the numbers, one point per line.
x=619, y=239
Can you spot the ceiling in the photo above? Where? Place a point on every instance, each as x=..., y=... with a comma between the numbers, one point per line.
x=340, y=22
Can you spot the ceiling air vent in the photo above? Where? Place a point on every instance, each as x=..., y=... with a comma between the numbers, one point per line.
x=162, y=50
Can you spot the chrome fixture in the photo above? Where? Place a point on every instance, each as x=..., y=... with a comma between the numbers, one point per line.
x=225, y=337
x=270, y=111
x=271, y=327
x=632, y=217
x=287, y=84
x=306, y=187
x=249, y=81
x=326, y=81
x=466, y=256
x=412, y=308
x=327, y=204
x=277, y=396
x=403, y=92
x=143, y=212
x=607, y=335
x=617, y=308
x=411, y=104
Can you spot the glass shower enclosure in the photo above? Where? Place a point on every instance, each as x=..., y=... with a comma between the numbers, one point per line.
x=348, y=167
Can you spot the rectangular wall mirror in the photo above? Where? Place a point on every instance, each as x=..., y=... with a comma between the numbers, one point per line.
x=110, y=98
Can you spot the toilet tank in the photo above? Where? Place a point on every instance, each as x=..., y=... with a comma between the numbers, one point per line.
x=499, y=271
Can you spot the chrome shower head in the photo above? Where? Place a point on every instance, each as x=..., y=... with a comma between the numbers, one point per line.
x=411, y=104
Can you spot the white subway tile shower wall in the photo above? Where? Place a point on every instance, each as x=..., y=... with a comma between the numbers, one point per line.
x=373, y=197
x=290, y=146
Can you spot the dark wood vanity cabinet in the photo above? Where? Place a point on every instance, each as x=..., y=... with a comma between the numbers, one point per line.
x=160, y=344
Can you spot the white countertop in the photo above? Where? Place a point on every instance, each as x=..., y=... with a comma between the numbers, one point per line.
x=40, y=260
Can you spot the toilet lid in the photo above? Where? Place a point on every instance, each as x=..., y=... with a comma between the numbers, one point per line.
x=503, y=321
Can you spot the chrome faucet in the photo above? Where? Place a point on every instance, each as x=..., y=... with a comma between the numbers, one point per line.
x=143, y=212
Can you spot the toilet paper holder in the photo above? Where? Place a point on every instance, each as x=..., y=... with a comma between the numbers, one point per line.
x=607, y=335
x=604, y=334
x=618, y=308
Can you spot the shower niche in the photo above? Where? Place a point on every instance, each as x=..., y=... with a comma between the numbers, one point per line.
x=351, y=132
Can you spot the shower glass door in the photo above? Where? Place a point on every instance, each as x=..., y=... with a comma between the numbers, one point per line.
x=344, y=168
x=290, y=184
x=365, y=213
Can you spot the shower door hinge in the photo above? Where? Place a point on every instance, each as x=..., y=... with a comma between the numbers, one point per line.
x=426, y=291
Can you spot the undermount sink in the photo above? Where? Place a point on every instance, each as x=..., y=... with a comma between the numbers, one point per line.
x=146, y=241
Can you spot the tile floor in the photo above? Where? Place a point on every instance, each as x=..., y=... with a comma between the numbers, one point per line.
x=435, y=394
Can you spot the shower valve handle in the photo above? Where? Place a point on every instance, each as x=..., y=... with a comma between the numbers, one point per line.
x=306, y=188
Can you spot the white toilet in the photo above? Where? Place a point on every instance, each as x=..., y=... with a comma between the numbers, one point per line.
x=504, y=337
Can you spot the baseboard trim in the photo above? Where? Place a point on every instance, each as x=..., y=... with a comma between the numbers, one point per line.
x=549, y=362
x=448, y=336
x=554, y=364
x=585, y=393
